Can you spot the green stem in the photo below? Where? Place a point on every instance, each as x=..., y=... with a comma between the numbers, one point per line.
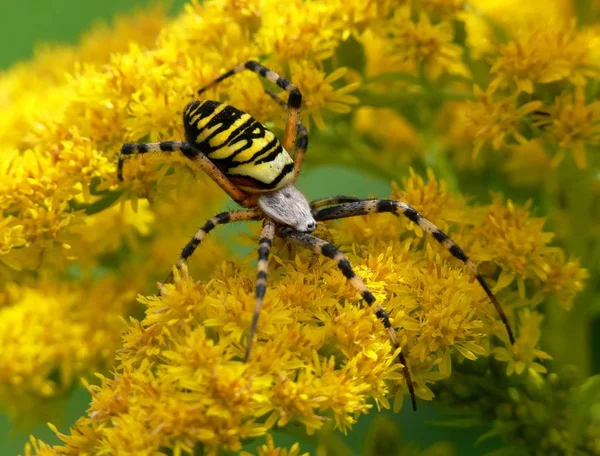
x=583, y=11
x=437, y=159
x=568, y=333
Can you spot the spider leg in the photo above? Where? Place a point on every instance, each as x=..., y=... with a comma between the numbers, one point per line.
x=280, y=101
x=294, y=100
x=190, y=152
x=365, y=207
x=301, y=137
x=264, y=247
x=330, y=201
x=319, y=246
x=219, y=219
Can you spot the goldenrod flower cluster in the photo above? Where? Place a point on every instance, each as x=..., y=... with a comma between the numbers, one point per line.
x=438, y=86
x=538, y=92
x=180, y=382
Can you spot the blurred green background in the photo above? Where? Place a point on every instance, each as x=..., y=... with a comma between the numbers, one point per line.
x=28, y=23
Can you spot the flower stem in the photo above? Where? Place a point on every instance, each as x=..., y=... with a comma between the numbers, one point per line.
x=568, y=333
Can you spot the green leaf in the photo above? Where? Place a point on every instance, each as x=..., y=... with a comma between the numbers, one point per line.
x=384, y=438
x=98, y=206
x=508, y=451
x=584, y=400
x=198, y=449
x=498, y=431
x=94, y=184
x=351, y=54
x=333, y=445
x=458, y=423
x=583, y=11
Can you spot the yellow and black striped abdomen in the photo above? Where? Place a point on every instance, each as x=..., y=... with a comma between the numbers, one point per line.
x=240, y=146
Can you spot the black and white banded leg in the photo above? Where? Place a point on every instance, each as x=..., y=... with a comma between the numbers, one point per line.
x=264, y=247
x=219, y=219
x=365, y=207
x=321, y=247
x=294, y=100
x=188, y=151
x=332, y=200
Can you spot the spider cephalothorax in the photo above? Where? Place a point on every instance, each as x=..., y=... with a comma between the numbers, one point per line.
x=249, y=163
x=289, y=207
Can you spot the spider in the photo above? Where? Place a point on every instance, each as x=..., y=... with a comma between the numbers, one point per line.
x=250, y=164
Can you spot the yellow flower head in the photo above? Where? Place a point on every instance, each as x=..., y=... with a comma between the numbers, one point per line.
x=391, y=131
x=50, y=339
x=496, y=118
x=524, y=353
x=301, y=30
x=573, y=123
x=319, y=355
x=422, y=46
x=321, y=93
x=553, y=53
x=269, y=449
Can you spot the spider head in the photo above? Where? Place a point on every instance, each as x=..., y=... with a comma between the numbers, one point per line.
x=289, y=207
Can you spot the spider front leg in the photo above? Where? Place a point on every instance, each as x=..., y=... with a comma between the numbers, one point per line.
x=294, y=100
x=219, y=219
x=319, y=246
x=143, y=148
x=264, y=247
x=191, y=153
x=365, y=207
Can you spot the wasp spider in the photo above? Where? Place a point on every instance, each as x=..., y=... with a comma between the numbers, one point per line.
x=249, y=163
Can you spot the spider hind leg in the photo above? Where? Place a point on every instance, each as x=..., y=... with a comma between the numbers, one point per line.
x=364, y=207
x=264, y=248
x=319, y=246
x=219, y=219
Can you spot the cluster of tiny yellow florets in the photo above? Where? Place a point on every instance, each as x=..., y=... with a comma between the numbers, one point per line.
x=320, y=355
x=538, y=88
x=76, y=247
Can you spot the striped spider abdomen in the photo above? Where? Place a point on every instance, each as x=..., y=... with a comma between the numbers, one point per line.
x=245, y=151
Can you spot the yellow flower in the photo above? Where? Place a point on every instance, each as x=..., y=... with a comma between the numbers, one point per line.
x=573, y=123
x=12, y=236
x=515, y=15
x=386, y=128
x=552, y=53
x=565, y=278
x=269, y=449
x=496, y=118
x=443, y=8
x=509, y=236
x=352, y=16
x=320, y=92
x=319, y=356
x=301, y=30
x=523, y=354
x=424, y=45
x=403, y=45
x=49, y=339
x=528, y=164
x=432, y=197
x=47, y=75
